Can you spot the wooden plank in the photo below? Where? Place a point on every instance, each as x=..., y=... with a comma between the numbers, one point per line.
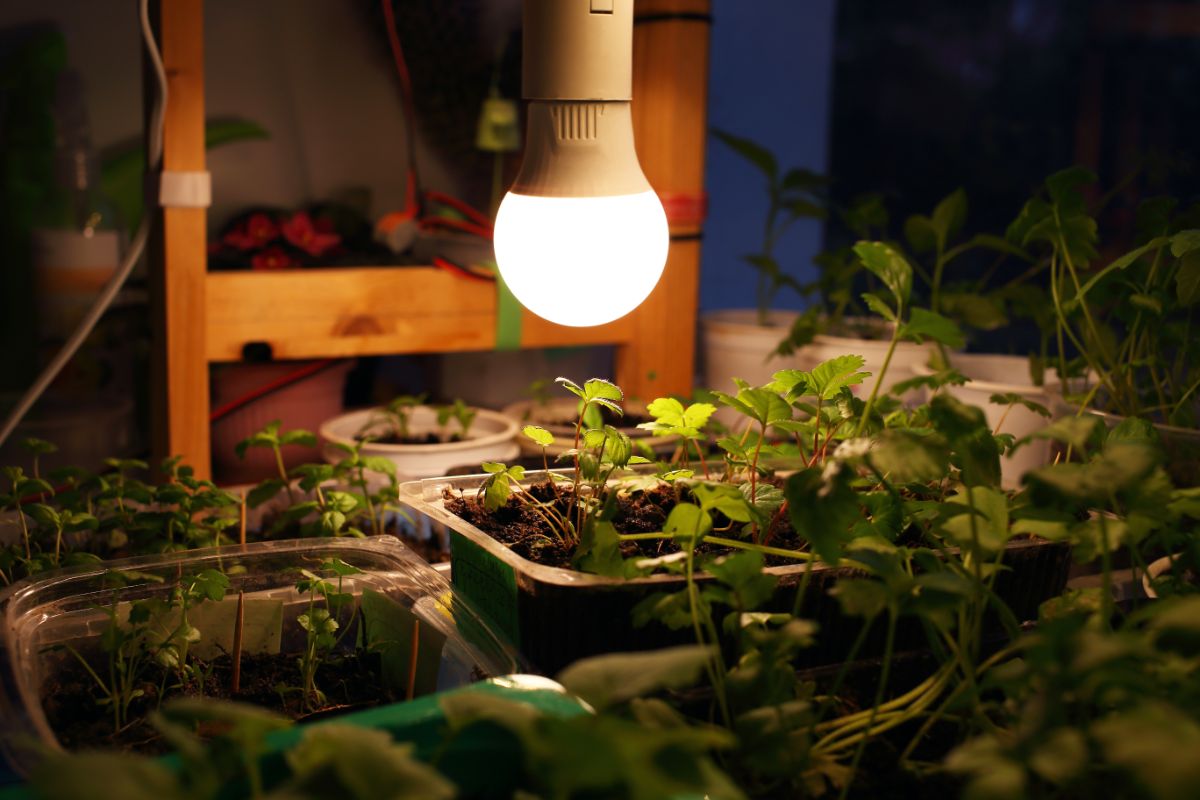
x=670, y=89
x=321, y=313
x=178, y=256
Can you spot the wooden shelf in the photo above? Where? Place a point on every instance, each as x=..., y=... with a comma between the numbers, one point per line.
x=350, y=311
x=202, y=318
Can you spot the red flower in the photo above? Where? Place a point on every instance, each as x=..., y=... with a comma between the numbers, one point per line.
x=252, y=234
x=316, y=241
x=272, y=258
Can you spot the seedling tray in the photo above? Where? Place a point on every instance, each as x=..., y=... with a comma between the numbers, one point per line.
x=455, y=647
x=555, y=616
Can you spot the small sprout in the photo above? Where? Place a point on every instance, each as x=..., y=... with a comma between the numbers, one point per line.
x=539, y=435
x=460, y=412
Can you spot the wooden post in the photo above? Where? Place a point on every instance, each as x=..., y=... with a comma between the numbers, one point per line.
x=670, y=91
x=178, y=255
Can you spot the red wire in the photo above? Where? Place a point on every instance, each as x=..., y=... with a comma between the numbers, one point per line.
x=457, y=224
x=406, y=94
x=272, y=386
x=458, y=205
x=461, y=271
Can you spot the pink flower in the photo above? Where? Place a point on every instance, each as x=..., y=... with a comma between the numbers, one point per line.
x=255, y=232
x=316, y=240
x=272, y=258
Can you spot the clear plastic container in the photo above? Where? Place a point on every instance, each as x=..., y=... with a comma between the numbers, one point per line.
x=71, y=607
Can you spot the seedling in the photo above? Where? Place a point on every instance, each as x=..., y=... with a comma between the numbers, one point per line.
x=672, y=418
x=461, y=413
x=794, y=195
x=126, y=646
x=171, y=650
x=378, y=502
x=321, y=624
x=396, y=415
x=271, y=438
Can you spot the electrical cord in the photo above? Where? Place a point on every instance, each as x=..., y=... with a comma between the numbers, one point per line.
x=271, y=387
x=154, y=147
x=406, y=94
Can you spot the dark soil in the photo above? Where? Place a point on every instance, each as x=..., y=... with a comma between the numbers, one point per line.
x=526, y=533
x=428, y=438
x=350, y=681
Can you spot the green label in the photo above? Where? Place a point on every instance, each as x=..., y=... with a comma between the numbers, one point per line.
x=488, y=583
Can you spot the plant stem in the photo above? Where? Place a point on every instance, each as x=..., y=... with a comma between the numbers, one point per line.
x=235, y=682
x=283, y=476
x=887, y=361
x=885, y=674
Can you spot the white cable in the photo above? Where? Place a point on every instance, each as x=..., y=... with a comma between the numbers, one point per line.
x=154, y=147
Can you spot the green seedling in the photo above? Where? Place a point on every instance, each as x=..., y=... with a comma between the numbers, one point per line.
x=793, y=195
x=461, y=413
x=172, y=649
x=396, y=416
x=271, y=438
x=126, y=645
x=321, y=624
x=378, y=502
x=687, y=423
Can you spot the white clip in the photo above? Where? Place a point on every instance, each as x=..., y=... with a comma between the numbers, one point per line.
x=185, y=189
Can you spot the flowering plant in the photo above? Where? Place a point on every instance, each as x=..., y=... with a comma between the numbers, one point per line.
x=272, y=239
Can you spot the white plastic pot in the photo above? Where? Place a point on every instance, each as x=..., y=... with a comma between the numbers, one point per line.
x=492, y=438
x=1154, y=571
x=734, y=345
x=552, y=414
x=991, y=374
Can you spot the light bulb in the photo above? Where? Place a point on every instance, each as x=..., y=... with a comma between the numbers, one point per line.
x=581, y=239
x=581, y=260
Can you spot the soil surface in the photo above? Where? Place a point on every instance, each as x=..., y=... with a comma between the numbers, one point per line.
x=350, y=682
x=526, y=532
x=428, y=438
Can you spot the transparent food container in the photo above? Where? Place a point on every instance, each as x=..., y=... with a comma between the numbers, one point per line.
x=395, y=599
x=555, y=616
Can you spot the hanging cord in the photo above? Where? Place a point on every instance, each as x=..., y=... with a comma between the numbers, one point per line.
x=154, y=155
x=282, y=382
x=406, y=96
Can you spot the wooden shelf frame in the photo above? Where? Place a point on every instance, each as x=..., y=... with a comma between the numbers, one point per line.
x=201, y=318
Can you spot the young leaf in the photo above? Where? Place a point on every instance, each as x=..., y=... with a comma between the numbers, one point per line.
x=609, y=680
x=822, y=506
x=756, y=154
x=1011, y=398
x=600, y=389
x=949, y=216
x=829, y=377
x=878, y=306
x=264, y=492
x=688, y=522
x=539, y=435
x=299, y=437
x=571, y=386
x=599, y=550
x=889, y=266
x=923, y=324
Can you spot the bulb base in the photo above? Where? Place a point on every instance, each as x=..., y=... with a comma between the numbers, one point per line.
x=580, y=149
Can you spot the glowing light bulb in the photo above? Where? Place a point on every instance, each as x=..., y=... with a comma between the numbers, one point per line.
x=581, y=239
x=581, y=260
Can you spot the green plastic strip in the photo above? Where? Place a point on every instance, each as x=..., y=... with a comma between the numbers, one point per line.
x=488, y=583
x=508, y=315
